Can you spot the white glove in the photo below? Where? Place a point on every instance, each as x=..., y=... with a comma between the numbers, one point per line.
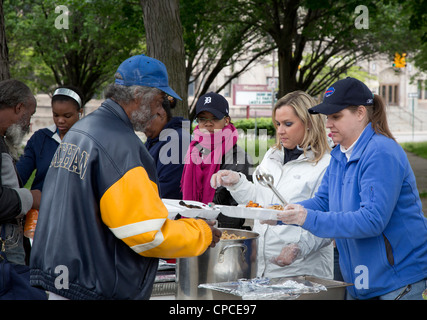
x=293, y=214
x=224, y=178
x=269, y=222
x=287, y=256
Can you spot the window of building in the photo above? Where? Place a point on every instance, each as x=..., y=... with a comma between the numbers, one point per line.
x=390, y=93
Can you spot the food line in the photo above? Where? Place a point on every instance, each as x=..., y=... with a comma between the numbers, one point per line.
x=229, y=269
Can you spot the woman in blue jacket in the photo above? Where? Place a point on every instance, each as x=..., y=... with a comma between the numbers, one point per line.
x=67, y=108
x=368, y=200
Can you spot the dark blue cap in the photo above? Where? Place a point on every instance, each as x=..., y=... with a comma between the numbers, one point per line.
x=141, y=70
x=342, y=94
x=213, y=103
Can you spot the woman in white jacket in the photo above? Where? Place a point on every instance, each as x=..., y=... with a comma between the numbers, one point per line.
x=297, y=162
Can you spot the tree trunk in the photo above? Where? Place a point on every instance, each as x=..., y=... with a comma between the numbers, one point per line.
x=4, y=51
x=287, y=74
x=165, y=42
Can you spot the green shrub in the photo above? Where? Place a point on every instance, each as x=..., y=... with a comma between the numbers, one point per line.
x=260, y=123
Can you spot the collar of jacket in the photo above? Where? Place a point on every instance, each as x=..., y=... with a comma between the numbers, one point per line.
x=55, y=136
x=279, y=154
x=360, y=146
x=117, y=110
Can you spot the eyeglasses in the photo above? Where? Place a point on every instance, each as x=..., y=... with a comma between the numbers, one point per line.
x=211, y=120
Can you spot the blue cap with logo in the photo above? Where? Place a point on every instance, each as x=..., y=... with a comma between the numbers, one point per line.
x=213, y=103
x=141, y=70
x=342, y=94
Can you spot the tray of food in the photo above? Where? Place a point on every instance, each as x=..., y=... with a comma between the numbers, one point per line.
x=252, y=210
x=190, y=209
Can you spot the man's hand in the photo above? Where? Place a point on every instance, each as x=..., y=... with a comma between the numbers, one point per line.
x=37, y=195
x=216, y=233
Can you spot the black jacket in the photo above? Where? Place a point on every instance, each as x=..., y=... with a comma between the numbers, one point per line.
x=102, y=224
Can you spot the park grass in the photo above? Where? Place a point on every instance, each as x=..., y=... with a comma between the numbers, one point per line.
x=418, y=148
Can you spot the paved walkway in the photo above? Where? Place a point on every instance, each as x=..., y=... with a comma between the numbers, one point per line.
x=419, y=166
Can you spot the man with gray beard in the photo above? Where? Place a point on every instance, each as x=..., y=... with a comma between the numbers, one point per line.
x=102, y=225
x=17, y=105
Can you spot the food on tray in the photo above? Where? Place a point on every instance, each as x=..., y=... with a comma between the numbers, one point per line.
x=276, y=207
x=230, y=236
x=252, y=204
x=191, y=206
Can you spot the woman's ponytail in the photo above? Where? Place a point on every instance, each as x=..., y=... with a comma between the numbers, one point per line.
x=378, y=117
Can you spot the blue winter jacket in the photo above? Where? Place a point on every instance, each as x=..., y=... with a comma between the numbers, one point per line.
x=38, y=155
x=371, y=206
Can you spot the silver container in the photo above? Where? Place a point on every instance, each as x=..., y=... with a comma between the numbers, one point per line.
x=335, y=290
x=230, y=260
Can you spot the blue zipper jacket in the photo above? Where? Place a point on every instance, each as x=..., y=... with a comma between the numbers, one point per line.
x=38, y=154
x=371, y=206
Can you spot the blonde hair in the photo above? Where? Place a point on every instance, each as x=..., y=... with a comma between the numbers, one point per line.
x=315, y=138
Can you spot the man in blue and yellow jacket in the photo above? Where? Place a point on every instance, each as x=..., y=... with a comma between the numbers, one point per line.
x=102, y=224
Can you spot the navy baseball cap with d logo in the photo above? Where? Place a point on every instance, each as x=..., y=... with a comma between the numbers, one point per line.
x=342, y=94
x=213, y=103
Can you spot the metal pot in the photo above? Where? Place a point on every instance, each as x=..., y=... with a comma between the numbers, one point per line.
x=230, y=260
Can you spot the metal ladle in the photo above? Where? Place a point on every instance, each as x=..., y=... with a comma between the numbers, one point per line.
x=266, y=180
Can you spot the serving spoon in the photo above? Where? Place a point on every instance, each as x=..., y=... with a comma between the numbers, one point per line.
x=266, y=180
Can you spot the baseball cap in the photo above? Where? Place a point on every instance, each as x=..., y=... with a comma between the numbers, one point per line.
x=213, y=103
x=342, y=94
x=141, y=70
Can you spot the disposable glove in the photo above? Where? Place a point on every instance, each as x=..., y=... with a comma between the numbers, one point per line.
x=293, y=214
x=269, y=222
x=287, y=256
x=224, y=178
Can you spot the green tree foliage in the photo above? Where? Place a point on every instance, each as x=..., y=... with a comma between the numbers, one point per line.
x=313, y=34
x=100, y=35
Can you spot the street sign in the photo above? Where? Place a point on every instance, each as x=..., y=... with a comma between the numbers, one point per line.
x=413, y=95
x=251, y=95
x=272, y=83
